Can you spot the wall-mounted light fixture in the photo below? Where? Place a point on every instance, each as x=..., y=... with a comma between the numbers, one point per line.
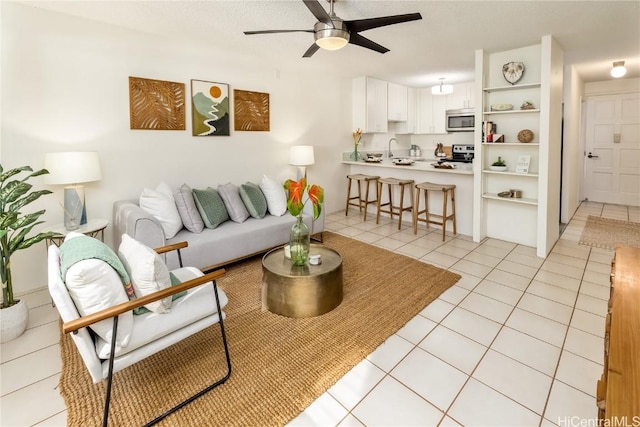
x=618, y=69
x=442, y=89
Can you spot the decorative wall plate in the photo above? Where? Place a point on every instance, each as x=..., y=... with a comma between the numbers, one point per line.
x=513, y=71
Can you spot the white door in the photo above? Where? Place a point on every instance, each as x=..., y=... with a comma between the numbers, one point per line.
x=612, y=149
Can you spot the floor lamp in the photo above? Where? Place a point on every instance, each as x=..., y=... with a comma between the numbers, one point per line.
x=73, y=169
x=301, y=156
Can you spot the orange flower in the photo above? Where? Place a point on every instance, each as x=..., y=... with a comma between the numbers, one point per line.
x=296, y=189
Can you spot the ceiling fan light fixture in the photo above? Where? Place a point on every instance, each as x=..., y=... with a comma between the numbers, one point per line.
x=442, y=89
x=329, y=38
x=618, y=69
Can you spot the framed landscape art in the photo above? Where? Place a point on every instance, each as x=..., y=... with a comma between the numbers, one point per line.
x=210, y=108
x=251, y=110
x=156, y=104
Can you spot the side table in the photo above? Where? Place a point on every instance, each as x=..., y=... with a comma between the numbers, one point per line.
x=93, y=228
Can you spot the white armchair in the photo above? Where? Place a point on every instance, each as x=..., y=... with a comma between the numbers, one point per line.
x=149, y=333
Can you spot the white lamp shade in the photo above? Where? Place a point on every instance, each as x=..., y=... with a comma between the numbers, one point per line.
x=301, y=155
x=72, y=167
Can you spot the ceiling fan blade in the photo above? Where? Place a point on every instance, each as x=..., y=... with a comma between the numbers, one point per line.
x=312, y=49
x=277, y=31
x=318, y=11
x=367, y=24
x=357, y=39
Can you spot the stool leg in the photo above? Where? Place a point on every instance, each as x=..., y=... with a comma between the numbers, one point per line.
x=379, y=201
x=366, y=182
x=360, y=196
x=346, y=210
x=453, y=209
x=401, y=210
x=444, y=213
x=426, y=206
x=416, y=211
x=390, y=201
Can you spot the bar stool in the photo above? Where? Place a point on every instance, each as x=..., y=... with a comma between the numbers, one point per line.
x=394, y=209
x=446, y=191
x=359, y=201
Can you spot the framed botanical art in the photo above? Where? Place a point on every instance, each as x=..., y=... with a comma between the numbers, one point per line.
x=251, y=110
x=156, y=104
x=210, y=108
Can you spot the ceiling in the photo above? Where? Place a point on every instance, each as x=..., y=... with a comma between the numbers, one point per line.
x=592, y=34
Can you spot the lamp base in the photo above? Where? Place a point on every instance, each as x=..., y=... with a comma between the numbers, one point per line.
x=75, y=213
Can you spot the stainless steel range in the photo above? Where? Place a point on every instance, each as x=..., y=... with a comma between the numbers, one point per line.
x=462, y=153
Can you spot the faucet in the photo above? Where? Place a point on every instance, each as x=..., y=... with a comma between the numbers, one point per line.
x=389, y=153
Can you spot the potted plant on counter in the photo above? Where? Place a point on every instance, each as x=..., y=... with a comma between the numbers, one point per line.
x=15, y=194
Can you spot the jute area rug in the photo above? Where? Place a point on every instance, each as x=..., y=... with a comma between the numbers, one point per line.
x=607, y=233
x=280, y=365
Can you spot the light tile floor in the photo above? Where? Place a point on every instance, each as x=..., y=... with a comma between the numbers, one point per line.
x=517, y=341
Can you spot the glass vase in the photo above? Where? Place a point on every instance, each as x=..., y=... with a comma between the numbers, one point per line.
x=355, y=155
x=299, y=242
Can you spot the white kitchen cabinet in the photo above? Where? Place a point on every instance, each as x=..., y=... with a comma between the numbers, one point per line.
x=369, y=104
x=431, y=112
x=409, y=127
x=462, y=96
x=532, y=220
x=397, y=107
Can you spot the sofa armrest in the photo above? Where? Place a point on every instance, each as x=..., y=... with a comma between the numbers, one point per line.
x=131, y=219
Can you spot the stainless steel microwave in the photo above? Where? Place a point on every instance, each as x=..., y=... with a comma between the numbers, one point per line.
x=462, y=120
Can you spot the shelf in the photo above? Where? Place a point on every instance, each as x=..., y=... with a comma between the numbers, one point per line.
x=512, y=144
x=512, y=173
x=487, y=113
x=512, y=87
x=523, y=200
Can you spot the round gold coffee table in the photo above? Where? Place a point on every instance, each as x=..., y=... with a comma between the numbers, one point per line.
x=305, y=291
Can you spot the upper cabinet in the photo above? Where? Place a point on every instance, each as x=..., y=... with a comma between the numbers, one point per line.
x=431, y=112
x=397, y=106
x=462, y=97
x=369, y=103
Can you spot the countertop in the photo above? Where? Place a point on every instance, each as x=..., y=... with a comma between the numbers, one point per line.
x=424, y=166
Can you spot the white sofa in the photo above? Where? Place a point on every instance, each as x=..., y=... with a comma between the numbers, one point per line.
x=211, y=248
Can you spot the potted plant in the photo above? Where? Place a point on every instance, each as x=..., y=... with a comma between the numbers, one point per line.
x=15, y=194
x=498, y=165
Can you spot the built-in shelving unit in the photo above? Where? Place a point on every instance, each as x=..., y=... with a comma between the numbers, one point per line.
x=533, y=219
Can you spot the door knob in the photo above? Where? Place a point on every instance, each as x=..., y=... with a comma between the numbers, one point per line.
x=591, y=156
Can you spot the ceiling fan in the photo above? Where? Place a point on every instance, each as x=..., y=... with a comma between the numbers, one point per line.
x=333, y=33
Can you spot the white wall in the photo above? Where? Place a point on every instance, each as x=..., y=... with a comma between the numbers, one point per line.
x=65, y=88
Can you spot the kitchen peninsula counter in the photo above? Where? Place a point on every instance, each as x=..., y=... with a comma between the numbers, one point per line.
x=422, y=171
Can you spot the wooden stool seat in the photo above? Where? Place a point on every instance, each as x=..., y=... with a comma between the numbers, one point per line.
x=391, y=208
x=447, y=191
x=358, y=200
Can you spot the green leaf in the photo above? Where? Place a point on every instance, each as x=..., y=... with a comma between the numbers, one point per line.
x=26, y=220
x=7, y=219
x=15, y=206
x=35, y=239
x=12, y=172
x=13, y=191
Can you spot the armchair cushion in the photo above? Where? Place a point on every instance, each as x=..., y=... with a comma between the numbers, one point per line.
x=94, y=285
x=162, y=206
x=211, y=207
x=231, y=197
x=148, y=272
x=188, y=210
x=253, y=199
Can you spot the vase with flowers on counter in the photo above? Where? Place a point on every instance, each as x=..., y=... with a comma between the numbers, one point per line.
x=357, y=138
x=300, y=237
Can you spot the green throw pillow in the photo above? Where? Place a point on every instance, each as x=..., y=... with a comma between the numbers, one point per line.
x=211, y=207
x=253, y=199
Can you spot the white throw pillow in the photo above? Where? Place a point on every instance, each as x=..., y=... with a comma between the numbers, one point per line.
x=148, y=272
x=93, y=286
x=275, y=195
x=162, y=206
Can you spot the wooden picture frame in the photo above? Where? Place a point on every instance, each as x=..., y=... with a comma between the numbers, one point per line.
x=210, y=114
x=156, y=104
x=251, y=111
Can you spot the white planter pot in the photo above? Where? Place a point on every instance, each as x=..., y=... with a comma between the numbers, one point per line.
x=498, y=168
x=13, y=321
